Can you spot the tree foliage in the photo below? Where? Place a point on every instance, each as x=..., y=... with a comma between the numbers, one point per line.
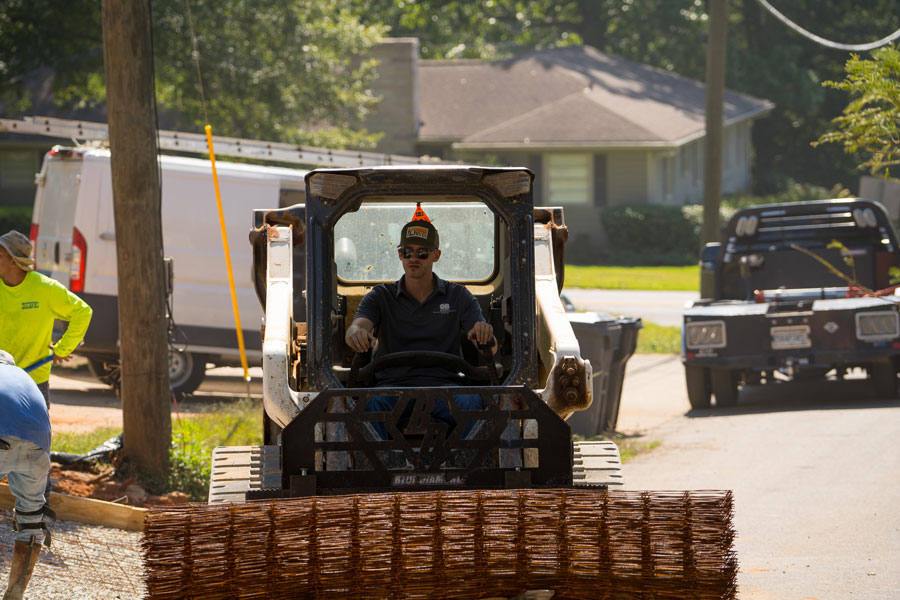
x=39, y=34
x=281, y=70
x=271, y=69
x=869, y=123
x=487, y=29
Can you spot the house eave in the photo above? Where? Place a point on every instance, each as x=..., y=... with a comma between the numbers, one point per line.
x=599, y=145
x=592, y=145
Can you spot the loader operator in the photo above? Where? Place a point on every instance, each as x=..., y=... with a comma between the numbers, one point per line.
x=29, y=303
x=25, y=461
x=420, y=311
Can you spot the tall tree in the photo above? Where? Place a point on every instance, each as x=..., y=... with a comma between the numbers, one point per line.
x=272, y=70
x=147, y=426
x=41, y=36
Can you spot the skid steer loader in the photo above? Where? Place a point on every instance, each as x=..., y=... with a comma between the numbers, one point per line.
x=501, y=503
x=500, y=246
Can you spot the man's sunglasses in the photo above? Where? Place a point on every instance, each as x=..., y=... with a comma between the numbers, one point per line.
x=421, y=253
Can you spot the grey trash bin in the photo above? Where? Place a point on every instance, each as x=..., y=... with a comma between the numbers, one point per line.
x=624, y=350
x=608, y=342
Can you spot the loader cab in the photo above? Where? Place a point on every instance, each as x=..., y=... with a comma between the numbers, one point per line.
x=484, y=217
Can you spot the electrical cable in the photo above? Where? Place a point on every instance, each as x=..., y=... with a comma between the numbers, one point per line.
x=172, y=328
x=212, y=159
x=195, y=55
x=828, y=43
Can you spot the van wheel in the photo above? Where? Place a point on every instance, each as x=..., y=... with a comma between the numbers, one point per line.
x=884, y=379
x=725, y=386
x=186, y=371
x=698, y=387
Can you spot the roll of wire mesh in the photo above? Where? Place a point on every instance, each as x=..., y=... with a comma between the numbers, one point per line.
x=447, y=544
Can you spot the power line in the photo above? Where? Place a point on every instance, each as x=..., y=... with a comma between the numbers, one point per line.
x=828, y=43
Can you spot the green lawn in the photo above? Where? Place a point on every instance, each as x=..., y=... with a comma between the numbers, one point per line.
x=658, y=339
x=193, y=439
x=634, y=278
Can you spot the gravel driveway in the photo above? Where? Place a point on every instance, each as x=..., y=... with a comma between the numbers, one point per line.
x=84, y=562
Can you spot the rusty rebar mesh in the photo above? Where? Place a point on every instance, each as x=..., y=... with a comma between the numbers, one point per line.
x=459, y=544
x=83, y=561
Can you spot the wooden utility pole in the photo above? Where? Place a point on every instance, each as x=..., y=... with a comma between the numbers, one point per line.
x=715, y=98
x=143, y=340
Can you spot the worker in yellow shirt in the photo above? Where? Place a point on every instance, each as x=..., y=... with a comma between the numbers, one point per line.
x=29, y=303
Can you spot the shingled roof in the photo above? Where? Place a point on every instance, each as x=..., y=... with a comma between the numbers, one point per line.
x=566, y=97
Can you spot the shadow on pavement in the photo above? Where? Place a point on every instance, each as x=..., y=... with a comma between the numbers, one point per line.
x=800, y=396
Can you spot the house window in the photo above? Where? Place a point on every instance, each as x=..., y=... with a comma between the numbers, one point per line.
x=569, y=178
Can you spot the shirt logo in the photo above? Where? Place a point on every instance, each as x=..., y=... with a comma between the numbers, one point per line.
x=444, y=309
x=419, y=232
x=26, y=305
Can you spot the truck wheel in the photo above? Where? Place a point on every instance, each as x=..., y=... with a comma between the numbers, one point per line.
x=884, y=379
x=725, y=386
x=698, y=387
x=97, y=368
x=186, y=371
x=106, y=370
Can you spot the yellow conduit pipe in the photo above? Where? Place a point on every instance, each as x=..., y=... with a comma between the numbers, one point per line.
x=234, y=302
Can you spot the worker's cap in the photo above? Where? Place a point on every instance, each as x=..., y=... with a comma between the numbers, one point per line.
x=6, y=358
x=20, y=248
x=420, y=233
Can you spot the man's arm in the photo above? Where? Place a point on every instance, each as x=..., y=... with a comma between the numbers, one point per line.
x=69, y=307
x=481, y=332
x=359, y=335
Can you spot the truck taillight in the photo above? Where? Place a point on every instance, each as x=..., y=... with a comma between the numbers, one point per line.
x=33, y=235
x=79, y=259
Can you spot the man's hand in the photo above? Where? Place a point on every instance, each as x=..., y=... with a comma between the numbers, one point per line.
x=359, y=335
x=58, y=360
x=482, y=333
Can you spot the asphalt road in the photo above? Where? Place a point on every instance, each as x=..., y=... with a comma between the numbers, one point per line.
x=662, y=308
x=813, y=467
x=814, y=470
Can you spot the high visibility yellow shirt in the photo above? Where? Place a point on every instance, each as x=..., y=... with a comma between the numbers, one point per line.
x=27, y=312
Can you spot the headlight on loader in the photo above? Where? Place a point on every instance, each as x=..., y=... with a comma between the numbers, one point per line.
x=877, y=325
x=704, y=334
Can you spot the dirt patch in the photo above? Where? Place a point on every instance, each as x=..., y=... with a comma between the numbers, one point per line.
x=101, y=484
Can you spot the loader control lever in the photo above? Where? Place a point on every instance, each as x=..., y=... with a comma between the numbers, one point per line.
x=488, y=356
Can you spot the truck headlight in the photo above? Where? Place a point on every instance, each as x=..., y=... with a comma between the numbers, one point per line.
x=877, y=325
x=704, y=334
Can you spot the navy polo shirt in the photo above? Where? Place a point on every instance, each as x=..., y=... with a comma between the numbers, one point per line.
x=402, y=324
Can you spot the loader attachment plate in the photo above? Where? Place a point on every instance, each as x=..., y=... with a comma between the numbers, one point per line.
x=340, y=444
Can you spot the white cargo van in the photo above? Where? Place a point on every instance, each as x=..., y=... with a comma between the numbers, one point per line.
x=75, y=242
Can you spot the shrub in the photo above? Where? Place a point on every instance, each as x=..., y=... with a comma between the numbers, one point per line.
x=650, y=234
x=660, y=235
x=15, y=217
x=795, y=192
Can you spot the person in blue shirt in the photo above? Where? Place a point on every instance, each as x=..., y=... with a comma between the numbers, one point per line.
x=25, y=462
x=420, y=311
